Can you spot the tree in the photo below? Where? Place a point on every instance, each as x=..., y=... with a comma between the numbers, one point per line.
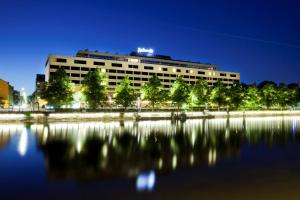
x=1, y=102
x=154, y=92
x=219, y=95
x=94, y=88
x=180, y=92
x=125, y=94
x=286, y=97
x=269, y=95
x=237, y=94
x=59, y=90
x=200, y=93
x=263, y=83
x=252, y=99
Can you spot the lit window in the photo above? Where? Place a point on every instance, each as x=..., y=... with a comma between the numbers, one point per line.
x=133, y=60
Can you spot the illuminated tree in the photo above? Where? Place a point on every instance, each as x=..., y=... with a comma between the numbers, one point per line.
x=219, y=95
x=154, y=92
x=179, y=93
x=286, y=97
x=200, y=92
x=252, y=99
x=59, y=90
x=296, y=89
x=237, y=94
x=269, y=95
x=94, y=88
x=125, y=94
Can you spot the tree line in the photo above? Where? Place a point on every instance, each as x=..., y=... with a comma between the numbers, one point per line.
x=266, y=95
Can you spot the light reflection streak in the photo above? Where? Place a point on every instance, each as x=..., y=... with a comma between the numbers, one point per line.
x=23, y=143
x=145, y=181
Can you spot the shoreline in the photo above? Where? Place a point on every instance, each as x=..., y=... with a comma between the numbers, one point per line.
x=45, y=117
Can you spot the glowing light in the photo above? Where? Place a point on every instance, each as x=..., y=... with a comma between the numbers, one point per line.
x=77, y=96
x=160, y=163
x=145, y=181
x=212, y=156
x=78, y=146
x=104, y=150
x=174, y=161
x=193, y=137
x=192, y=159
x=23, y=143
x=144, y=50
x=134, y=60
x=45, y=135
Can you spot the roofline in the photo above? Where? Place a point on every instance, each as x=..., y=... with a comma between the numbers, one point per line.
x=148, y=57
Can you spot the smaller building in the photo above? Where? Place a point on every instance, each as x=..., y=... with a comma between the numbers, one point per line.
x=17, y=97
x=6, y=94
x=40, y=85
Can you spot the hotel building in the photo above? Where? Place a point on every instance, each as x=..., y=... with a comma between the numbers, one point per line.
x=140, y=66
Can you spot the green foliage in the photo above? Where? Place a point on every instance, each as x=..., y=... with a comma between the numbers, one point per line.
x=286, y=97
x=269, y=95
x=153, y=91
x=219, y=95
x=124, y=93
x=180, y=92
x=59, y=90
x=236, y=94
x=252, y=99
x=200, y=94
x=94, y=88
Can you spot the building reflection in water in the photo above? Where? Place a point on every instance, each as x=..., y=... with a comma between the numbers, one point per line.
x=91, y=151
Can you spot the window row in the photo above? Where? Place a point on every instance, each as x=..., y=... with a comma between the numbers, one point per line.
x=120, y=65
x=63, y=60
x=146, y=74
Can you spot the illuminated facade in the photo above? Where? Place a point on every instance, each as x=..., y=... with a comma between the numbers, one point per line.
x=140, y=66
x=6, y=93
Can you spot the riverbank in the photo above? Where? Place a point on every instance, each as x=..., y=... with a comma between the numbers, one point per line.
x=117, y=116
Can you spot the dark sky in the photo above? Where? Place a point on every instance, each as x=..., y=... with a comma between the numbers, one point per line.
x=258, y=38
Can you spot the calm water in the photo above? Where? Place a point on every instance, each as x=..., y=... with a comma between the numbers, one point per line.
x=252, y=158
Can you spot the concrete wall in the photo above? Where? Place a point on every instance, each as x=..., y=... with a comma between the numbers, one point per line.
x=131, y=115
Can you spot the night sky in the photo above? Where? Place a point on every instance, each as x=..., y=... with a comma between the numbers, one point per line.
x=258, y=38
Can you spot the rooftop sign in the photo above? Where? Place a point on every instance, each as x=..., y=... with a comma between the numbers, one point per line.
x=145, y=51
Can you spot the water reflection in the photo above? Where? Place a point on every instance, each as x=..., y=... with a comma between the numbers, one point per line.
x=91, y=151
x=145, y=181
x=23, y=142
